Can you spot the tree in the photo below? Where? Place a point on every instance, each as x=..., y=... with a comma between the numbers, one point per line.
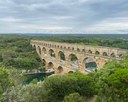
x=5, y=81
x=74, y=97
x=114, y=88
x=28, y=93
x=58, y=87
x=112, y=82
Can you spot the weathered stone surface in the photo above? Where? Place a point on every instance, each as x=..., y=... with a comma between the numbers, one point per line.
x=99, y=54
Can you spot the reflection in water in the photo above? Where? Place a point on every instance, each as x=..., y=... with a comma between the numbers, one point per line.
x=39, y=76
x=91, y=65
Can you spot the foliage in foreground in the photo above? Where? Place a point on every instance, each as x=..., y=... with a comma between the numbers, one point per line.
x=54, y=89
x=5, y=81
x=112, y=82
x=74, y=97
x=59, y=86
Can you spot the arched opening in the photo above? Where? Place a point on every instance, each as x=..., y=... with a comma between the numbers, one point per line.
x=89, y=63
x=59, y=69
x=68, y=48
x=121, y=55
x=73, y=57
x=52, y=53
x=64, y=47
x=44, y=62
x=34, y=46
x=78, y=49
x=44, y=50
x=39, y=49
x=61, y=55
x=105, y=54
x=90, y=52
x=97, y=53
x=83, y=50
x=50, y=65
x=112, y=55
x=73, y=60
x=70, y=72
x=61, y=47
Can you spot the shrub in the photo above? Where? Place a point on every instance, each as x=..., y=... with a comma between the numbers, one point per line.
x=58, y=87
x=74, y=97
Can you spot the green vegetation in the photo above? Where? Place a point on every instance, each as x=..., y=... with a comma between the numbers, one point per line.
x=58, y=87
x=16, y=51
x=101, y=41
x=112, y=82
x=74, y=97
x=109, y=84
x=5, y=81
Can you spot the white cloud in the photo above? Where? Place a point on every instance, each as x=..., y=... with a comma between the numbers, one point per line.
x=60, y=16
x=9, y=19
x=116, y=25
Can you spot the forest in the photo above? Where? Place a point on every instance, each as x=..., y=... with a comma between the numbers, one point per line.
x=110, y=84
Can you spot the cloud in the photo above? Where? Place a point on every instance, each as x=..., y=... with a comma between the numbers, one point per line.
x=64, y=16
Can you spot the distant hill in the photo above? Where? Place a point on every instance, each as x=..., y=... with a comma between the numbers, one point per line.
x=123, y=36
x=81, y=35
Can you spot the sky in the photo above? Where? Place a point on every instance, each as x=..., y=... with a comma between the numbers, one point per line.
x=64, y=16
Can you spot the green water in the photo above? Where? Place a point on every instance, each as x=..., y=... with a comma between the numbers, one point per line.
x=91, y=65
x=37, y=76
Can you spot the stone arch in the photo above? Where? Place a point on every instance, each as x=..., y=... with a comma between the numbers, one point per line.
x=61, y=47
x=89, y=51
x=51, y=53
x=44, y=50
x=97, y=53
x=44, y=62
x=39, y=49
x=113, y=54
x=90, y=63
x=60, y=69
x=105, y=54
x=50, y=65
x=73, y=61
x=101, y=62
x=72, y=57
x=71, y=72
x=121, y=55
x=61, y=55
x=78, y=49
x=69, y=48
x=65, y=47
x=83, y=50
x=34, y=46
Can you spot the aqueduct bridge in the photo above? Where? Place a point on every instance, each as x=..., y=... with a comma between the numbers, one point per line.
x=65, y=57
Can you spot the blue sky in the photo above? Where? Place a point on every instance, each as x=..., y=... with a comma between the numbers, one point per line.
x=64, y=16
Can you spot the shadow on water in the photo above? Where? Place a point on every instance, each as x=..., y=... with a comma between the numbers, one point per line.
x=37, y=76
